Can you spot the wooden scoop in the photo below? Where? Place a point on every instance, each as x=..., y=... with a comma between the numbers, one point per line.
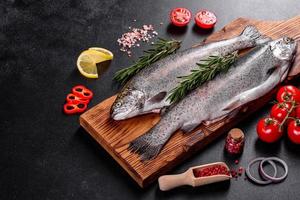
x=169, y=182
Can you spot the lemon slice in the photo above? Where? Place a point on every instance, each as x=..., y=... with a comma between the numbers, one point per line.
x=87, y=60
x=102, y=50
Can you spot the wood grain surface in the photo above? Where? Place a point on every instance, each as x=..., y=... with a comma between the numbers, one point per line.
x=114, y=136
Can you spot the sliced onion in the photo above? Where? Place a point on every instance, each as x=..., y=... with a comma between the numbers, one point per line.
x=273, y=178
x=261, y=182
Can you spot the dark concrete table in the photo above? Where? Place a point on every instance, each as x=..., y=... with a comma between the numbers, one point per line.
x=46, y=155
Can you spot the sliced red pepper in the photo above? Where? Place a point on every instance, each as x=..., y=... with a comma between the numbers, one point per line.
x=82, y=92
x=73, y=108
x=72, y=98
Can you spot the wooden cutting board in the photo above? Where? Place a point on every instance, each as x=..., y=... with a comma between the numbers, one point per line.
x=114, y=136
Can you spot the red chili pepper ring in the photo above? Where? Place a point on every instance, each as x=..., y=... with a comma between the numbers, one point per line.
x=71, y=98
x=82, y=92
x=73, y=108
x=77, y=101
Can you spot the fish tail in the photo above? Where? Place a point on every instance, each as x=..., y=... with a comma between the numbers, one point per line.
x=252, y=33
x=146, y=150
x=149, y=145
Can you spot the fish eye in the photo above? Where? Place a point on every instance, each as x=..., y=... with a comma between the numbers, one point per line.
x=287, y=40
x=118, y=104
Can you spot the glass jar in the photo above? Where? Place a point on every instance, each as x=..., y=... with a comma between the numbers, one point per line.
x=235, y=140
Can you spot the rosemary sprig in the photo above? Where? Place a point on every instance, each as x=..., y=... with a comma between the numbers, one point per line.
x=208, y=69
x=162, y=48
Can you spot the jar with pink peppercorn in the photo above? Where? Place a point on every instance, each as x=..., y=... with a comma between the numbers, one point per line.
x=235, y=141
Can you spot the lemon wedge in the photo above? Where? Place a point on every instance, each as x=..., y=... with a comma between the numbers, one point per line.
x=87, y=60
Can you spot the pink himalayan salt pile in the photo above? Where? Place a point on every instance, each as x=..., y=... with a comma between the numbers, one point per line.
x=131, y=39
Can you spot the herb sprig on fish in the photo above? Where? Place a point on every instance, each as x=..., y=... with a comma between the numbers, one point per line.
x=207, y=70
x=162, y=48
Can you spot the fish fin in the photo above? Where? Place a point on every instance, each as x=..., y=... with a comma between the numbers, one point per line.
x=188, y=127
x=144, y=148
x=151, y=153
x=226, y=116
x=163, y=110
x=235, y=103
x=158, y=97
x=147, y=145
x=157, y=111
x=262, y=39
x=271, y=70
x=209, y=122
x=284, y=76
x=252, y=32
x=150, y=144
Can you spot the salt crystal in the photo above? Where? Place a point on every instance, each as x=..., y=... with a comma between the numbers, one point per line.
x=129, y=39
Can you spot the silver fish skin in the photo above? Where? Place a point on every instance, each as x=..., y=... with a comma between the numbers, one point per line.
x=252, y=76
x=148, y=90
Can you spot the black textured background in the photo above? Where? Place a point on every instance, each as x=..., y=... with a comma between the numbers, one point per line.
x=46, y=155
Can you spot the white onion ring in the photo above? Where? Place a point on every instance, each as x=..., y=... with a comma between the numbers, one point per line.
x=261, y=182
x=273, y=178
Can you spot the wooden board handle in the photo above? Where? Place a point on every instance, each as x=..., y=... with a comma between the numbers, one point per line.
x=169, y=182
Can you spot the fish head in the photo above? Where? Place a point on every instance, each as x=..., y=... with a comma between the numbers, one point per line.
x=284, y=48
x=129, y=103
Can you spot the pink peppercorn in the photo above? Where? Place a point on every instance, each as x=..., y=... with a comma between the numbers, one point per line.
x=211, y=171
x=240, y=171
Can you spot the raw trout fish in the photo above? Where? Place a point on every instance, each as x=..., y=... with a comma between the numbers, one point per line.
x=251, y=77
x=148, y=90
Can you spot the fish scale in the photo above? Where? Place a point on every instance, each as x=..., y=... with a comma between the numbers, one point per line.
x=251, y=77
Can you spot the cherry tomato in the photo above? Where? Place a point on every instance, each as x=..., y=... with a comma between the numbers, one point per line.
x=268, y=130
x=294, y=131
x=288, y=93
x=280, y=110
x=297, y=112
x=205, y=19
x=180, y=16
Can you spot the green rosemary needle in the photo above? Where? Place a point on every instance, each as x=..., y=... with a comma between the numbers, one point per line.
x=207, y=70
x=162, y=48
